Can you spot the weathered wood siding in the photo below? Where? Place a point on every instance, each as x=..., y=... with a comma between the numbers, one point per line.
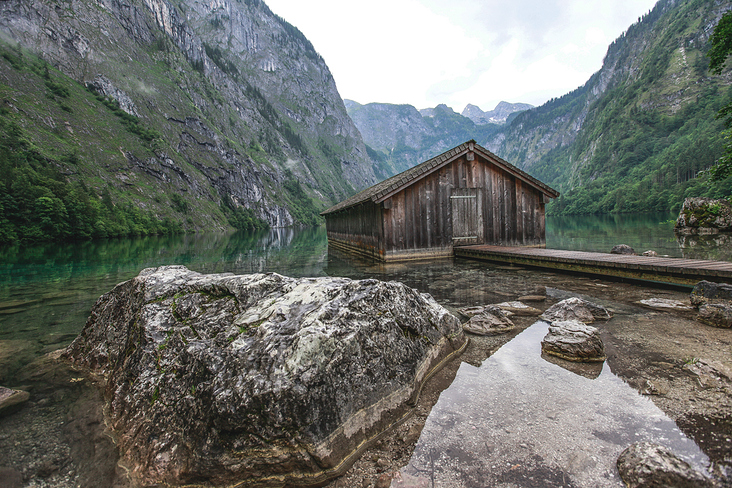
x=357, y=229
x=417, y=221
x=420, y=221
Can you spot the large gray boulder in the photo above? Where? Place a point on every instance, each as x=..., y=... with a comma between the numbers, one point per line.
x=649, y=465
x=258, y=379
x=702, y=215
x=574, y=341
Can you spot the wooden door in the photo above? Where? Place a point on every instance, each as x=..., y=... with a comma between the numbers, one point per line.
x=467, y=221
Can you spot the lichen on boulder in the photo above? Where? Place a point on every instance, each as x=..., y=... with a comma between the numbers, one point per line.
x=704, y=216
x=257, y=379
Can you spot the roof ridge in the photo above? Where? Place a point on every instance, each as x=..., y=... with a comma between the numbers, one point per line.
x=393, y=183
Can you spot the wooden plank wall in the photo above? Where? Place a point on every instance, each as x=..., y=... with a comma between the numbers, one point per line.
x=417, y=222
x=420, y=216
x=358, y=228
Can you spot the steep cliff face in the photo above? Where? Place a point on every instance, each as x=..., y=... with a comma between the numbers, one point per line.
x=400, y=136
x=239, y=109
x=636, y=134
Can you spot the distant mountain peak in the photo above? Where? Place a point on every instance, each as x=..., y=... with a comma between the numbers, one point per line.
x=498, y=115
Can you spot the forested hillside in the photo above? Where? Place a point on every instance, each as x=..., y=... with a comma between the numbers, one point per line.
x=156, y=116
x=636, y=135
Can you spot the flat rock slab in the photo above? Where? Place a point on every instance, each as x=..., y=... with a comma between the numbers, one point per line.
x=519, y=308
x=575, y=308
x=666, y=304
x=10, y=398
x=261, y=379
x=574, y=341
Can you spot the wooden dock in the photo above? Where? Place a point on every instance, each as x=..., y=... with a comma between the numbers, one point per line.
x=656, y=269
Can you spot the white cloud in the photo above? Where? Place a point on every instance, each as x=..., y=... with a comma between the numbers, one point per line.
x=425, y=52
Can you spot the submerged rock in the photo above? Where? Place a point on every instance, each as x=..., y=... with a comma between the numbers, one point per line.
x=518, y=308
x=10, y=399
x=259, y=379
x=665, y=304
x=491, y=321
x=574, y=341
x=704, y=216
x=575, y=308
x=648, y=465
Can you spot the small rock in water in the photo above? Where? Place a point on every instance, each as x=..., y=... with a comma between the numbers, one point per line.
x=493, y=320
x=471, y=311
x=518, y=308
x=665, y=304
x=716, y=314
x=622, y=249
x=574, y=341
x=648, y=465
x=576, y=308
x=11, y=398
x=714, y=301
x=650, y=253
x=532, y=298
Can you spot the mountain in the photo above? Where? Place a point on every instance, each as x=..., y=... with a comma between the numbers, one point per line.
x=498, y=115
x=400, y=136
x=634, y=137
x=198, y=115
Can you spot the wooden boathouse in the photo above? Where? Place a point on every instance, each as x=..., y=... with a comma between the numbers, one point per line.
x=465, y=196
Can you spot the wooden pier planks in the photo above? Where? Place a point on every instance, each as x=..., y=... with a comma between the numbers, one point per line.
x=659, y=269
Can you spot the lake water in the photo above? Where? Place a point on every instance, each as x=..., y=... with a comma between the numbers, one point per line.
x=47, y=291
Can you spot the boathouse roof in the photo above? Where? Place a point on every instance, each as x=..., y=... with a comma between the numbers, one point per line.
x=381, y=191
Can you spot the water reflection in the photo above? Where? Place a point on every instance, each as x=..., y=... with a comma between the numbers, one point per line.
x=46, y=291
x=520, y=420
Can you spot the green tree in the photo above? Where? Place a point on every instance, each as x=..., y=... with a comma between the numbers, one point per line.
x=718, y=54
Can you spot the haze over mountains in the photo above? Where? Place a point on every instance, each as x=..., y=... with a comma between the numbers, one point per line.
x=400, y=136
x=156, y=115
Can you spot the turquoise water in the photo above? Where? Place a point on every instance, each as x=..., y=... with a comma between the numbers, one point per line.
x=46, y=291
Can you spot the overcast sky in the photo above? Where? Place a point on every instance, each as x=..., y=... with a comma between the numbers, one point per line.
x=426, y=52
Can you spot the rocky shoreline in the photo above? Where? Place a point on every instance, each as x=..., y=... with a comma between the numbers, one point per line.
x=681, y=364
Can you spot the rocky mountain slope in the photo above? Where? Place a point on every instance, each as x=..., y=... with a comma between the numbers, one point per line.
x=498, y=115
x=202, y=113
x=400, y=136
x=634, y=137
